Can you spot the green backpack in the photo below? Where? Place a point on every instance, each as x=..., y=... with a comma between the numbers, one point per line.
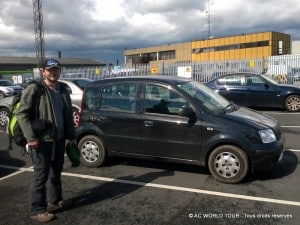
x=14, y=130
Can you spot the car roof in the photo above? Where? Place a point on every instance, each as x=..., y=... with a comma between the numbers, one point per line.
x=172, y=80
x=73, y=78
x=240, y=73
x=237, y=73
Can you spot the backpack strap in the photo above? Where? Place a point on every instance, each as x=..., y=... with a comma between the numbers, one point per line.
x=40, y=90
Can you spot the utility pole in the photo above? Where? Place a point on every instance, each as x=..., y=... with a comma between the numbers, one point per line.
x=208, y=12
x=39, y=32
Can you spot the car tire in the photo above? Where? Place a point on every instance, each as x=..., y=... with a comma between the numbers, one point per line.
x=92, y=150
x=228, y=164
x=292, y=103
x=4, y=118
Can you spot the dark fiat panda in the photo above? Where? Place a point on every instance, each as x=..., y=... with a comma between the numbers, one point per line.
x=176, y=119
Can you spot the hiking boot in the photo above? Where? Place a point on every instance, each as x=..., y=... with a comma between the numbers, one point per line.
x=43, y=217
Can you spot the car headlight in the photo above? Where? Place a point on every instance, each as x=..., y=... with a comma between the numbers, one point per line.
x=267, y=135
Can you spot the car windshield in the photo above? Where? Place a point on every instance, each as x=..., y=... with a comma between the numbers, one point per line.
x=270, y=79
x=208, y=98
x=6, y=83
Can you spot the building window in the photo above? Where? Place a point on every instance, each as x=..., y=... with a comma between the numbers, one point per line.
x=165, y=55
x=232, y=47
x=135, y=59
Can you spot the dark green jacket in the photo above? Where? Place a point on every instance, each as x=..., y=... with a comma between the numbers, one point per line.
x=29, y=100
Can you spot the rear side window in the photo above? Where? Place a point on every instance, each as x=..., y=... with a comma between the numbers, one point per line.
x=119, y=97
x=231, y=80
x=115, y=97
x=91, y=99
x=81, y=83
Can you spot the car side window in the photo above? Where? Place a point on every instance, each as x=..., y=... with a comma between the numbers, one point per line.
x=162, y=100
x=80, y=83
x=119, y=97
x=255, y=81
x=232, y=80
x=91, y=100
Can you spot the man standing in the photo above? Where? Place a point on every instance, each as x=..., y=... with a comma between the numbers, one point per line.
x=55, y=123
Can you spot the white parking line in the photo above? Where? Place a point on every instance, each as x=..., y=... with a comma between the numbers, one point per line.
x=293, y=150
x=169, y=187
x=290, y=126
x=20, y=170
x=279, y=113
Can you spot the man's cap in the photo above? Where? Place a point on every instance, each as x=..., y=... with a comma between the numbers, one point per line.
x=51, y=63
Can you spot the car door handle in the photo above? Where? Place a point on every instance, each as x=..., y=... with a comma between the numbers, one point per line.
x=148, y=123
x=94, y=118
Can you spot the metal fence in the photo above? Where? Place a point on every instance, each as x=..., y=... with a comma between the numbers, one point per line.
x=286, y=69
x=199, y=71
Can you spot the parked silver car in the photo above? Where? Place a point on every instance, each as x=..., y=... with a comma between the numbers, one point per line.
x=8, y=88
x=6, y=91
x=76, y=87
x=5, y=106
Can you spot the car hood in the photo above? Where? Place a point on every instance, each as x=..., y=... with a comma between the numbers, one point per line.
x=290, y=86
x=257, y=119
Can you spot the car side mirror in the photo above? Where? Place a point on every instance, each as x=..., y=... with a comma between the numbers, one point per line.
x=189, y=113
x=266, y=86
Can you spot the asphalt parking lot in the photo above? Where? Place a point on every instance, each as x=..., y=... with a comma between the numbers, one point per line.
x=128, y=191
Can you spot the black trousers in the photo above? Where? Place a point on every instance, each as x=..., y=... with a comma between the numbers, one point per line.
x=48, y=160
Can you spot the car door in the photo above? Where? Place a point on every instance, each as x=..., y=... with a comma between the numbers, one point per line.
x=260, y=93
x=113, y=111
x=232, y=87
x=163, y=132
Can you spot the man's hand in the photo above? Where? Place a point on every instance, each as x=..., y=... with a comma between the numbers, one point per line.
x=33, y=144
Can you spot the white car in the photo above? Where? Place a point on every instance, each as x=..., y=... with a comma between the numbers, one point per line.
x=74, y=85
x=5, y=106
x=8, y=88
x=6, y=91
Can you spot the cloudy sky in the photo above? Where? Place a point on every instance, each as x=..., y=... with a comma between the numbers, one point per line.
x=102, y=29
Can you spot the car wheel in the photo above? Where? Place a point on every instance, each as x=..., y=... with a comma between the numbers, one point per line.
x=292, y=103
x=92, y=151
x=2, y=95
x=4, y=118
x=75, y=117
x=228, y=164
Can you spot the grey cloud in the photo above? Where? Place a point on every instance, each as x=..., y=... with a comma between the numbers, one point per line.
x=70, y=28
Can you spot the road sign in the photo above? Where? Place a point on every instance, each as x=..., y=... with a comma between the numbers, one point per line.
x=154, y=69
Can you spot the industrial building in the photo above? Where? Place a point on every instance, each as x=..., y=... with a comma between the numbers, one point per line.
x=244, y=46
x=20, y=65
